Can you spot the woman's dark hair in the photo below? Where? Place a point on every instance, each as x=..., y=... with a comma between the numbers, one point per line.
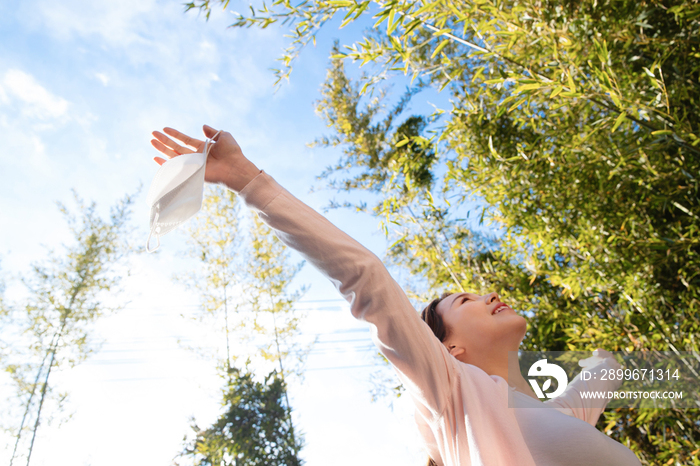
x=437, y=325
x=433, y=319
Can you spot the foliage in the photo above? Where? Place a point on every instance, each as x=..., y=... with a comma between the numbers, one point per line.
x=51, y=329
x=267, y=289
x=574, y=123
x=216, y=242
x=254, y=430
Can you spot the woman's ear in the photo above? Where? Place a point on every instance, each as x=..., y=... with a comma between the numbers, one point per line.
x=456, y=351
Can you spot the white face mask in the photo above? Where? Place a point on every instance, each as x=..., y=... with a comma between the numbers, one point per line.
x=176, y=192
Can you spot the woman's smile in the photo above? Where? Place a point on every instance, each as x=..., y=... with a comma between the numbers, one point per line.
x=499, y=308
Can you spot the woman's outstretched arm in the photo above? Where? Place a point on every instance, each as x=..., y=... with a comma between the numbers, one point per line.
x=423, y=363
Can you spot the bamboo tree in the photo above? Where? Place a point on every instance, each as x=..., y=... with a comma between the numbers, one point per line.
x=66, y=293
x=559, y=259
x=250, y=275
x=271, y=275
x=215, y=241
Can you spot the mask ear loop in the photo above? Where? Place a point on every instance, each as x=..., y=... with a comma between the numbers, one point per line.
x=155, y=229
x=208, y=143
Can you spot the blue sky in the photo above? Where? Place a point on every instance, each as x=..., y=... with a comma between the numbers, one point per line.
x=82, y=85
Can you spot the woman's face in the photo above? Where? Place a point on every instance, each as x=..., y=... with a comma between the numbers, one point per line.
x=480, y=329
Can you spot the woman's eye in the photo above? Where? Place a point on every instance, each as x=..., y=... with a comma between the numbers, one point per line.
x=464, y=299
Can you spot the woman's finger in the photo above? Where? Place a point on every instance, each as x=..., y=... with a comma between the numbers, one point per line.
x=190, y=141
x=169, y=143
x=209, y=131
x=164, y=149
x=159, y=160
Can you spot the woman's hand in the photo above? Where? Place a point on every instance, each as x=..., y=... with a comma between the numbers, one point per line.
x=226, y=163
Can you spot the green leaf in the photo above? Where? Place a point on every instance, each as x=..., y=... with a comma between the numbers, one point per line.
x=570, y=94
x=439, y=48
x=527, y=87
x=683, y=209
x=479, y=74
x=411, y=26
x=606, y=78
x=620, y=118
x=570, y=79
x=425, y=8
x=348, y=19
x=382, y=15
x=510, y=98
x=364, y=87
x=491, y=149
x=517, y=104
x=391, y=24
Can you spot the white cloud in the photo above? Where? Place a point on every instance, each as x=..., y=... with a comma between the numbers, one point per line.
x=27, y=147
x=39, y=152
x=115, y=22
x=103, y=78
x=37, y=101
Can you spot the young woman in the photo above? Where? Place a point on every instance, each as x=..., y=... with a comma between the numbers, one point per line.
x=455, y=367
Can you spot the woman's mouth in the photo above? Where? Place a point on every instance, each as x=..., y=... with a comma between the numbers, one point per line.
x=499, y=308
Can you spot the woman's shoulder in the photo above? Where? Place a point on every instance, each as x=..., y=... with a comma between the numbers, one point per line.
x=473, y=382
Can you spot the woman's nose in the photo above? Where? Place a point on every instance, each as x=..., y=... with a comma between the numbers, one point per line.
x=491, y=297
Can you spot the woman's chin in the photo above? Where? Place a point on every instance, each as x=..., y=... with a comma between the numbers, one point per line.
x=517, y=328
x=511, y=333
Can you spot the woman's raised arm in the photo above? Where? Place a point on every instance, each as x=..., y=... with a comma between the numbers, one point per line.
x=423, y=363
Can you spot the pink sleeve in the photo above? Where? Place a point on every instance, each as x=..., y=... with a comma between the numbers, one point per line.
x=587, y=408
x=423, y=363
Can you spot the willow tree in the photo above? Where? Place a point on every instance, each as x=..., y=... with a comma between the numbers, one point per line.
x=50, y=329
x=576, y=126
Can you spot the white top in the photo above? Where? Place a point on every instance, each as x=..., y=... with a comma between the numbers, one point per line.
x=461, y=411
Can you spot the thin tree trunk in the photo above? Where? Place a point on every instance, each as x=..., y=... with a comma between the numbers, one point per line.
x=64, y=321
x=43, y=389
x=286, y=397
x=31, y=396
x=228, y=350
